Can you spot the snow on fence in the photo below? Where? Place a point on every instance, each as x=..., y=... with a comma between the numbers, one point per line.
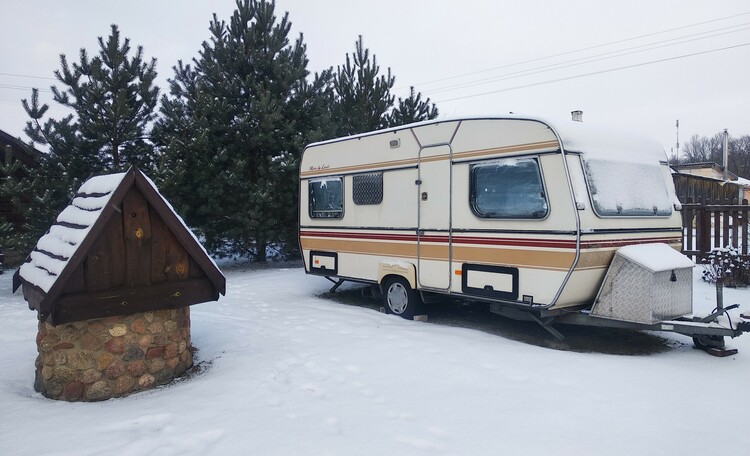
x=711, y=224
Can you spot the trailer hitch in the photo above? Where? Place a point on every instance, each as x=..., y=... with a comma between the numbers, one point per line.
x=714, y=345
x=717, y=313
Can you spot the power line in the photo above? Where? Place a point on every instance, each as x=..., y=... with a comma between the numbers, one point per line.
x=594, y=73
x=26, y=88
x=581, y=49
x=27, y=76
x=589, y=59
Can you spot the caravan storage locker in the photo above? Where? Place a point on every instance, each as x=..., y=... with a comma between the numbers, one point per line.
x=647, y=284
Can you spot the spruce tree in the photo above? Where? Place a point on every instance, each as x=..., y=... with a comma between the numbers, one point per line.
x=234, y=127
x=412, y=109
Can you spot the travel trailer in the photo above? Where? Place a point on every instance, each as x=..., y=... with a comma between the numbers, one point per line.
x=520, y=212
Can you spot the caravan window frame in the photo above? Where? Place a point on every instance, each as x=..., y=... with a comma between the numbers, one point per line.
x=310, y=200
x=519, y=216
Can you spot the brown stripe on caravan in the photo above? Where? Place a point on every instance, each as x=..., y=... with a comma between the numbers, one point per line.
x=536, y=259
x=600, y=259
x=395, y=249
x=538, y=254
x=595, y=260
x=536, y=146
x=358, y=168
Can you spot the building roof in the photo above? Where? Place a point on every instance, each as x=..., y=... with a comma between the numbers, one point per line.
x=733, y=178
x=22, y=152
x=77, y=228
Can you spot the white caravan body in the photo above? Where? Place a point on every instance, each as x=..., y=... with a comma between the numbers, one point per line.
x=515, y=210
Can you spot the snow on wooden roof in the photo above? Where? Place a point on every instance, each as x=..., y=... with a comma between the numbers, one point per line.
x=55, y=249
x=148, y=254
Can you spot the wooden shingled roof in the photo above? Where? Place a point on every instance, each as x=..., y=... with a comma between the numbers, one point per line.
x=118, y=248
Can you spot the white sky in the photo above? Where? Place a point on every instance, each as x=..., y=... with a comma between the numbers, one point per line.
x=431, y=44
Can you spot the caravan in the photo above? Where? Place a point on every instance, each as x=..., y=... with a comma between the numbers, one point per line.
x=520, y=212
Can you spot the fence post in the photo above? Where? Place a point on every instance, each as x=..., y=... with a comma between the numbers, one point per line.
x=725, y=241
x=704, y=232
x=688, y=215
x=743, y=215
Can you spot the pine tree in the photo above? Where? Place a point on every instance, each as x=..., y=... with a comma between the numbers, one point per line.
x=363, y=95
x=234, y=127
x=412, y=109
x=112, y=99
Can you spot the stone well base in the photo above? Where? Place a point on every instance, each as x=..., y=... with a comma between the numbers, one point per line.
x=98, y=359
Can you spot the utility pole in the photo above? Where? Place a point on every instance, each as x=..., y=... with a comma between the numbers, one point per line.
x=677, y=144
x=726, y=155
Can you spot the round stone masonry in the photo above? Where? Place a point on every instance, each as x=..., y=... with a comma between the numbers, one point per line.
x=98, y=359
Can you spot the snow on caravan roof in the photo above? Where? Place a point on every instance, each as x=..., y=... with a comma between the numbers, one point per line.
x=593, y=141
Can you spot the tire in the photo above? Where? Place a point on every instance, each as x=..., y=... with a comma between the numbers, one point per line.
x=400, y=299
x=707, y=342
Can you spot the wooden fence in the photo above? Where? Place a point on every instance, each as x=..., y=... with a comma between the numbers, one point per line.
x=711, y=224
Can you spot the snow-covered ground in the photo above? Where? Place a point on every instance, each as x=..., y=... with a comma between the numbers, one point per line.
x=289, y=373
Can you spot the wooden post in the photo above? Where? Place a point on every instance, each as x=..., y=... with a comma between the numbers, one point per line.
x=744, y=213
x=716, y=215
x=725, y=241
x=704, y=232
x=734, y=216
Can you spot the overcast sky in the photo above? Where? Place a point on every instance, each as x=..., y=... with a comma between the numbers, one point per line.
x=636, y=64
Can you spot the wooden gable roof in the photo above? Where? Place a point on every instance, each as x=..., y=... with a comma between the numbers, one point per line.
x=118, y=248
x=21, y=152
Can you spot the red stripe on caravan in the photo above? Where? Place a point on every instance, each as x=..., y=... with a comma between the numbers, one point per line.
x=512, y=242
x=442, y=239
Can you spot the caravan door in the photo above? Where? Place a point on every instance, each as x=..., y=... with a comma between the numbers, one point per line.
x=434, y=218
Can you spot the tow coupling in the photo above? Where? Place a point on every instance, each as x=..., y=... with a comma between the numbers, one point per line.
x=713, y=344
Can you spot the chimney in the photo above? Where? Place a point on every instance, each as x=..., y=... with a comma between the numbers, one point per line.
x=577, y=116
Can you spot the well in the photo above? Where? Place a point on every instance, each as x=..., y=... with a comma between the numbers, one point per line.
x=94, y=360
x=111, y=283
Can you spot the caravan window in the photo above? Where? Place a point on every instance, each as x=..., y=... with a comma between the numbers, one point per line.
x=508, y=188
x=367, y=188
x=326, y=197
x=622, y=189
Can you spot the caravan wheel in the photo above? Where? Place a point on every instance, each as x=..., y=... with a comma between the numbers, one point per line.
x=399, y=298
x=708, y=342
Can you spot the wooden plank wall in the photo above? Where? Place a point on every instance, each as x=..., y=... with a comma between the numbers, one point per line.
x=135, y=249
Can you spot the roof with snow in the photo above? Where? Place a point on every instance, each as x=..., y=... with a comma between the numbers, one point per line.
x=118, y=248
x=594, y=141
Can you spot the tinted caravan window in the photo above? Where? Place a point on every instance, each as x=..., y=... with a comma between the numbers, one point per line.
x=508, y=188
x=326, y=197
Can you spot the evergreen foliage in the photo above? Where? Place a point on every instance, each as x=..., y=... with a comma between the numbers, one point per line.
x=363, y=100
x=32, y=198
x=363, y=95
x=112, y=100
x=412, y=109
x=234, y=127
